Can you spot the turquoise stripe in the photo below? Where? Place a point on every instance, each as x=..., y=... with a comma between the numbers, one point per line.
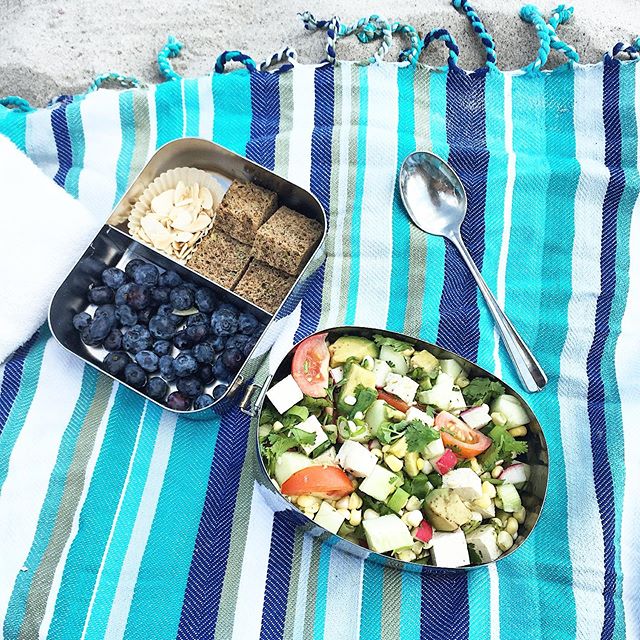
x=435, y=246
x=76, y=135
x=479, y=589
x=96, y=518
x=371, y=607
x=411, y=602
x=494, y=210
x=121, y=539
x=172, y=536
x=354, y=277
x=321, y=590
x=169, y=112
x=400, y=220
x=615, y=437
x=22, y=403
x=13, y=124
x=49, y=512
x=232, y=113
x=192, y=107
x=127, y=125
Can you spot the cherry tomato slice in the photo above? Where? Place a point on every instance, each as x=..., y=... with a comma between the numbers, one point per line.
x=331, y=483
x=310, y=366
x=394, y=401
x=466, y=442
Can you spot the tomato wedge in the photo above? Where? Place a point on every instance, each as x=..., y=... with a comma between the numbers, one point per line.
x=394, y=401
x=466, y=442
x=331, y=483
x=310, y=366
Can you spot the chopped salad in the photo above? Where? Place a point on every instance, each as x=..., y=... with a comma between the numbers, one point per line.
x=398, y=451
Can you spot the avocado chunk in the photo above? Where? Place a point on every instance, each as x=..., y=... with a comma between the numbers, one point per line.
x=398, y=500
x=356, y=375
x=445, y=510
x=346, y=347
x=427, y=362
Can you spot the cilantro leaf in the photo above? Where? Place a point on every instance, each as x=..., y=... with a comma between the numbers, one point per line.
x=388, y=432
x=365, y=397
x=315, y=405
x=419, y=435
x=396, y=345
x=481, y=390
x=504, y=446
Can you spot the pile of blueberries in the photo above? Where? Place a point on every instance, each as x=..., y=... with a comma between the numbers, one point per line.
x=143, y=317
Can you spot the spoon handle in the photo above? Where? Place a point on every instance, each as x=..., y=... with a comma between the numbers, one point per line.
x=529, y=371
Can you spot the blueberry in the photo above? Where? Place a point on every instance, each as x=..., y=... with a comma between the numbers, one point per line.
x=185, y=365
x=135, y=295
x=160, y=295
x=81, y=320
x=182, y=341
x=221, y=372
x=115, y=362
x=206, y=375
x=238, y=341
x=162, y=327
x=197, y=332
x=246, y=350
x=260, y=329
x=182, y=297
x=88, y=338
x=135, y=376
x=218, y=343
x=232, y=359
x=146, y=274
x=197, y=318
x=100, y=295
x=178, y=402
x=167, y=310
x=137, y=339
x=114, y=277
x=113, y=342
x=92, y=266
x=204, y=353
x=107, y=311
x=205, y=300
x=190, y=386
x=156, y=388
x=224, y=322
x=144, y=315
x=132, y=266
x=203, y=401
x=247, y=323
x=170, y=279
x=219, y=390
x=126, y=316
x=162, y=347
x=97, y=331
x=167, y=368
x=191, y=286
x=148, y=360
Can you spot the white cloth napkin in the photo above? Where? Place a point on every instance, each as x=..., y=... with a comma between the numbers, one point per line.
x=43, y=231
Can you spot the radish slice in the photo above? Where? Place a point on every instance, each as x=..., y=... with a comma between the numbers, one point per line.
x=424, y=533
x=445, y=462
x=517, y=473
x=477, y=417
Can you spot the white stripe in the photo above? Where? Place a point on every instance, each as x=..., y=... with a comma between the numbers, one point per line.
x=343, y=187
x=32, y=461
x=114, y=521
x=377, y=197
x=494, y=602
x=303, y=580
x=501, y=276
x=303, y=89
x=344, y=592
x=43, y=632
x=123, y=595
x=586, y=545
x=100, y=113
x=153, y=123
x=40, y=143
x=205, y=100
x=253, y=575
x=628, y=375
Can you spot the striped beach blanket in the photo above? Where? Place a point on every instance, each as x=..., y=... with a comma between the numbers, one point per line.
x=119, y=520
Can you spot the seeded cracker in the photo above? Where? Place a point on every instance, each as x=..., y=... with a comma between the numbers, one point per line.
x=265, y=286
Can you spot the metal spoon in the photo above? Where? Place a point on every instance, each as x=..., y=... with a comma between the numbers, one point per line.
x=436, y=201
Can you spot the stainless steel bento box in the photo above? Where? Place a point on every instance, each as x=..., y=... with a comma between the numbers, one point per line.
x=114, y=246
x=533, y=496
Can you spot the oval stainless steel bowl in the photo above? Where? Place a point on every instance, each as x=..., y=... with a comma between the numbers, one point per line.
x=532, y=494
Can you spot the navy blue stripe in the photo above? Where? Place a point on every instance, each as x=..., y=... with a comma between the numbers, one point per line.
x=265, y=107
x=445, y=598
x=602, y=476
x=278, y=575
x=62, y=138
x=11, y=380
x=211, y=551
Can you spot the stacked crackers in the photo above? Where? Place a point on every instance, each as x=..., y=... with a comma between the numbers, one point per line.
x=256, y=249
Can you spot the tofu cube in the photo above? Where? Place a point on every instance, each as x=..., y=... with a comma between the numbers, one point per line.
x=382, y=370
x=337, y=373
x=402, y=386
x=434, y=449
x=312, y=425
x=465, y=482
x=483, y=541
x=356, y=458
x=285, y=394
x=387, y=533
x=416, y=414
x=449, y=549
x=329, y=518
x=380, y=483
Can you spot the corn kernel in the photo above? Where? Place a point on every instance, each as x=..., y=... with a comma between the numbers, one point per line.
x=476, y=516
x=475, y=466
x=343, y=503
x=520, y=515
x=498, y=418
x=518, y=432
x=355, y=501
x=394, y=463
x=399, y=448
x=377, y=453
x=385, y=448
x=488, y=490
x=511, y=526
x=355, y=518
x=412, y=518
x=505, y=541
x=370, y=514
x=307, y=501
x=413, y=503
x=420, y=464
x=344, y=512
x=497, y=471
x=278, y=426
x=411, y=464
x=482, y=503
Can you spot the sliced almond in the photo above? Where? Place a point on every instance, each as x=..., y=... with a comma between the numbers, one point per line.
x=182, y=236
x=163, y=202
x=200, y=223
x=206, y=198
